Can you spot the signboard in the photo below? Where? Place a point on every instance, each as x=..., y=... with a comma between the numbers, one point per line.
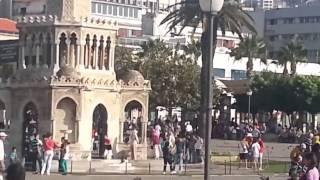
x=9, y=51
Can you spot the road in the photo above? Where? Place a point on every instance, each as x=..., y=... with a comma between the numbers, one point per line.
x=153, y=177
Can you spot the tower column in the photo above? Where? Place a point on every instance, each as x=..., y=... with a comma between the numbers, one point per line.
x=81, y=55
x=67, y=57
x=52, y=63
x=57, y=57
x=72, y=56
x=111, y=58
x=22, y=61
x=89, y=55
x=37, y=54
x=102, y=57
x=96, y=57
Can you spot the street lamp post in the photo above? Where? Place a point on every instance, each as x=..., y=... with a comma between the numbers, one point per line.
x=211, y=9
x=249, y=93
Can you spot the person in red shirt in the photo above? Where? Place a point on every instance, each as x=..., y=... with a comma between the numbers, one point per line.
x=48, y=146
x=261, y=151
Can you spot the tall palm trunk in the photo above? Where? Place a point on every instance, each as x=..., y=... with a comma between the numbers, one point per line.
x=293, y=68
x=285, y=69
x=205, y=53
x=249, y=68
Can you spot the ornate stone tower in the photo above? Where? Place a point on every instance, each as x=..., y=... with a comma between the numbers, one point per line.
x=66, y=84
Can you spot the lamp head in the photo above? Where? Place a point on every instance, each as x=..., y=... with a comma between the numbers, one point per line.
x=211, y=6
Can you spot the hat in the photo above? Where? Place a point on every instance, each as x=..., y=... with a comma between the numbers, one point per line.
x=3, y=134
x=249, y=135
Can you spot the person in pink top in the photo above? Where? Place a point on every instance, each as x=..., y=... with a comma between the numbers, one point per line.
x=156, y=142
x=310, y=161
x=48, y=146
x=261, y=151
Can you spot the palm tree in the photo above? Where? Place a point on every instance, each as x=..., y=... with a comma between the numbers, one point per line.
x=193, y=50
x=188, y=13
x=251, y=47
x=293, y=52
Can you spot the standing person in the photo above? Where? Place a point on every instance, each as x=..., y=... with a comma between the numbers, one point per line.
x=13, y=155
x=134, y=139
x=198, y=147
x=156, y=143
x=167, y=158
x=310, y=162
x=3, y=136
x=243, y=152
x=64, y=156
x=261, y=151
x=48, y=147
x=36, y=154
x=180, y=144
x=255, y=153
x=107, y=148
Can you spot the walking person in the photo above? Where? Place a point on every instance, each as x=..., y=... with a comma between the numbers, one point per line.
x=180, y=144
x=3, y=136
x=64, y=156
x=36, y=154
x=198, y=147
x=48, y=147
x=107, y=148
x=167, y=158
x=156, y=143
x=261, y=151
x=13, y=155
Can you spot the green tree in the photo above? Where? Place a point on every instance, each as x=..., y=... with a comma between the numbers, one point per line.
x=293, y=52
x=124, y=60
x=251, y=47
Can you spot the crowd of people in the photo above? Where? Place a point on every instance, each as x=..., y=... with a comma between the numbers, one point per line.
x=251, y=149
x=305, y=159
x=177, y=143
x=41, y=154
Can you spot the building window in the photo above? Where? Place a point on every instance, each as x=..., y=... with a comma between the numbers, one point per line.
x=93, y=8
x=115, y=10
x=238, y=74
x=125, y=9
x=23, y=11
x=105, y=9
x=130, y=12
x=217, y=72
x=110, y=9
x=273, y=21
x=135, y=13
x=99, y=8
x=288, y=20
x=120, y=11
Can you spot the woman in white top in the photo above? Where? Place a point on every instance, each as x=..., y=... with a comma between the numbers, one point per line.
x=243, y=152
x=134, y=140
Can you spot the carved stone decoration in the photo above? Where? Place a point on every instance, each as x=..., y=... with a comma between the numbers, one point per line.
x=68, y=71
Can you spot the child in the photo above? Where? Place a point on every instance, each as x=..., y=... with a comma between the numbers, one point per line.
x=64, y=156
x=255, y=152
x=13, y=155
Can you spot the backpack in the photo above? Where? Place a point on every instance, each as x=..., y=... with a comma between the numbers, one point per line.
x=173, y=149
